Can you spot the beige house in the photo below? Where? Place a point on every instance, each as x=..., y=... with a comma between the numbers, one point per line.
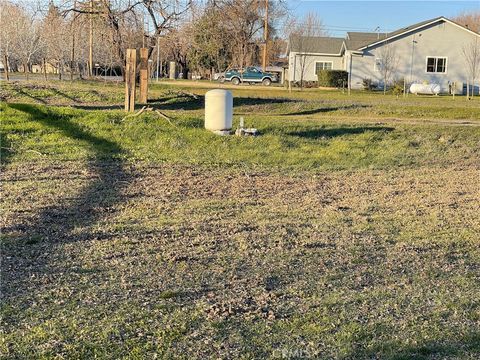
x=50, y=69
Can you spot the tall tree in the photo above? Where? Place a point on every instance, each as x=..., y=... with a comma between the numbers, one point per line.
x=301, y=34
x=471, y=53
x=243, y=21
x=120, y=15
x=9, y=12
x=28, y=43
x=210, y=43
x=55, y=35
x=388, y=64
x=178, y=45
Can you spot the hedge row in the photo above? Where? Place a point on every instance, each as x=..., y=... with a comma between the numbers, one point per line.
x=332, y=78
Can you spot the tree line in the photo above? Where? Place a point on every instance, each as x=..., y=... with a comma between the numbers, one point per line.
x=81, y=37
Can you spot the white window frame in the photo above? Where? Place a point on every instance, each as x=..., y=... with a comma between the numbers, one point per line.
x=325, y=62
x=436, y=62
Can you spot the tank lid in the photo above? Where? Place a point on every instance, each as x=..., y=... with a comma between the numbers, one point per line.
x=218, y=92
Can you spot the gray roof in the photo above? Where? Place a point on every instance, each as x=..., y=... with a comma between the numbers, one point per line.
x=316, y=44
x=415, y=26
x=354, y=40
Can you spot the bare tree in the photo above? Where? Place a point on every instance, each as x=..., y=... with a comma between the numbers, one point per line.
x=388, y=64
x=470, y=20
x=471, y=53
x=8, y=15
x=232, y=32
x=55, y=35
x=178, y=43
x=301, y=37
x=123, y=16
x=27, y=43
x=64, y=33
x=243, y=22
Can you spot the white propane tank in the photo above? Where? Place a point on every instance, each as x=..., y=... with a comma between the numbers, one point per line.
x=427, y=89
x=219, y=111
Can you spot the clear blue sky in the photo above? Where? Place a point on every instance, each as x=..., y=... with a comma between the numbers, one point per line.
x=339, y=16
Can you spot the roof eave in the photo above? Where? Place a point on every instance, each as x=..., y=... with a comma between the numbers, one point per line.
x=318, y=54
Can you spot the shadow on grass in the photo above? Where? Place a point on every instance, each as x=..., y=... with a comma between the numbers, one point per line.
x=178, y=102
x=20, y=91
x=336, y=132
x=246, y=101
x=54, y=224
x=61, y=93
x=326, y=110
x=185, y=102
x=101, y=107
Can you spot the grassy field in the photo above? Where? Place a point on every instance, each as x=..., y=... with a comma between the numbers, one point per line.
x=349, y=229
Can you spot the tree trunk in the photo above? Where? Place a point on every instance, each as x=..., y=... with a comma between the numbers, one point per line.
x=25, y=70
x=5, y=65
x=45, y=69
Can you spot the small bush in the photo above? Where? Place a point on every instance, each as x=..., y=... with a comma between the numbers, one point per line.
x=306, y=84
x=397, y=88
x=332, y=78
x=368, y=84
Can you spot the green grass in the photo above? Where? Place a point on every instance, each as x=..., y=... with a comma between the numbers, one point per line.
x=349, y=229
x=35, y=132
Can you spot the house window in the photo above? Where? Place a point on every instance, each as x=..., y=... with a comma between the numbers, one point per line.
x=436, y=64
x=323, y=65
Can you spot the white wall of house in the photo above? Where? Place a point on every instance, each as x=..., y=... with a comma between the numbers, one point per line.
x=444, y=40
x=295, y=65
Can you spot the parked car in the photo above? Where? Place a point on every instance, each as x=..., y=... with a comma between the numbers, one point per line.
x=250, y=74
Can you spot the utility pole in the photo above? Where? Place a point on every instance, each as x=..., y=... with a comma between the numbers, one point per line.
x=143, y=75
x=72, y=54
x=90, y=42
x=265, y=52
x=144, y=34
x=158, y=55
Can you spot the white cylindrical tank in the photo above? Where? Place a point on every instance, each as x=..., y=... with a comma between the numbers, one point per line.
x=218, y=111
x=428, y=89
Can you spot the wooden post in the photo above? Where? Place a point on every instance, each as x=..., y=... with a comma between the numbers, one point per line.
x=130, y=71
x=143, y=75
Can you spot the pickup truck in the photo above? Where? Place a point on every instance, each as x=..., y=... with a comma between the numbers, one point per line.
x=250, y=74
